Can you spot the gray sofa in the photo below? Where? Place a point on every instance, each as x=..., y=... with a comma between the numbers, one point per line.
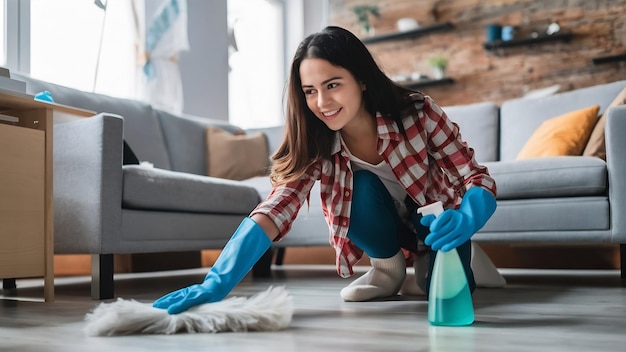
x=103, y=207
x=566, y=200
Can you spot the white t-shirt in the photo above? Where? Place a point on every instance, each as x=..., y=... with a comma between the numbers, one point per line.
x=386, y=176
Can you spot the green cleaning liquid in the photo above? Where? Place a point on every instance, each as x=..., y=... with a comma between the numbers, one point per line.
x=449, y=300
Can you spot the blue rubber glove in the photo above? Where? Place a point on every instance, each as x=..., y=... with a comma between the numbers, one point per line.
x=454, y=227
x=241, y=252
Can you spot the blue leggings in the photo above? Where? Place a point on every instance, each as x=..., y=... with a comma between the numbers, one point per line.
x=376, y=227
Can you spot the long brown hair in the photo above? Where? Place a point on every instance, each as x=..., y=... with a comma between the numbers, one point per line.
x=308, y=139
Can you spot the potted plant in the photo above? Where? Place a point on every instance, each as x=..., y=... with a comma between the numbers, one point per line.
x=439, y=64
x=364, y=14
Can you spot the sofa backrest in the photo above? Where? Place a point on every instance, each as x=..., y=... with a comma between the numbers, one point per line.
x=520, y=117
x=185, y=138
x=142, y=130
x=479, y=126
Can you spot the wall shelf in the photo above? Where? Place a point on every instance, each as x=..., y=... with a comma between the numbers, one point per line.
x=609, y=59
x=427, y=83
x=408, y=34
x=500, y=44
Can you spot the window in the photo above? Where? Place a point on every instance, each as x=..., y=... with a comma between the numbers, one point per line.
x=256, y=78
x=78, y=44
x=3, y=36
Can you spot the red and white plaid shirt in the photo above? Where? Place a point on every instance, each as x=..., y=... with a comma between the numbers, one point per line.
x=432, y=163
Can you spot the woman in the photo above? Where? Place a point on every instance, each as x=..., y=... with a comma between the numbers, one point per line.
x=379, y=151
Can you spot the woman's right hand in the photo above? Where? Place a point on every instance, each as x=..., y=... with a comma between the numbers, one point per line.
x=185, y=298
x=243, y=250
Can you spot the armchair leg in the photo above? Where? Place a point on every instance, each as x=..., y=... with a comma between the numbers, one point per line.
x=102, y=276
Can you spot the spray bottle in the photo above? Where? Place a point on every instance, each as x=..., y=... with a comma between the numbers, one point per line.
x=449, y=299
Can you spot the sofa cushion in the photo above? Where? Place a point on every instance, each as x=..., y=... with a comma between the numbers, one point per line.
x=560, y=176
x=566, y=134
x=543, y=220
x=236, y=157
x=596, y=146
x=479, y=126
x=157, y=189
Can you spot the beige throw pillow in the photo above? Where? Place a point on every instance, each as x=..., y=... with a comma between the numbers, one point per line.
x=596, y=146
x=236, y=157
x=566, y=134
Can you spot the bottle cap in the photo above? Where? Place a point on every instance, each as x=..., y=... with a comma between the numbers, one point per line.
x=434, y=208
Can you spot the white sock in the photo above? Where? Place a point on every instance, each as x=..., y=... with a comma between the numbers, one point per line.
x=383, y=280
x=485, y=273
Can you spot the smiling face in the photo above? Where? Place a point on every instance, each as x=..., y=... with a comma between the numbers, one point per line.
x=332, y=93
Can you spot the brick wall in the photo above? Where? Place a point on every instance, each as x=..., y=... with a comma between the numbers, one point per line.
x=598, y=26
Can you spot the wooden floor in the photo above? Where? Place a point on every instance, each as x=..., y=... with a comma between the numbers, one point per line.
x=539, y=310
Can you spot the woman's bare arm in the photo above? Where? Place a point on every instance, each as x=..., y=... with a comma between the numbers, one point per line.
x=271, y=230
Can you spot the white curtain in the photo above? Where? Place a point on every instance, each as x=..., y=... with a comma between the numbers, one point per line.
x=165, y=38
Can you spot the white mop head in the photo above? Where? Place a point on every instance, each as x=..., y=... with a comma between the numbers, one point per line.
x=269, y=310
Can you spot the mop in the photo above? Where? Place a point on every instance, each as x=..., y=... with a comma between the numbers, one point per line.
x=270, y=310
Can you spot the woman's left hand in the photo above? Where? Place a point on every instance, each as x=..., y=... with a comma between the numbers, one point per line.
x=448, y=230
x=454, y=227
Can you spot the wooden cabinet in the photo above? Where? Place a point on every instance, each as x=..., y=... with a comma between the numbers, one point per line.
x=26, y=203
x=22, y=200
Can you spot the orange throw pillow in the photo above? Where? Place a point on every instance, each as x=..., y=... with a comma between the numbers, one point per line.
x=566, y=134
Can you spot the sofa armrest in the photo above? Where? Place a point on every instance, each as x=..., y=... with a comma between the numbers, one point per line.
x=616, y=165
x=88, y=184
